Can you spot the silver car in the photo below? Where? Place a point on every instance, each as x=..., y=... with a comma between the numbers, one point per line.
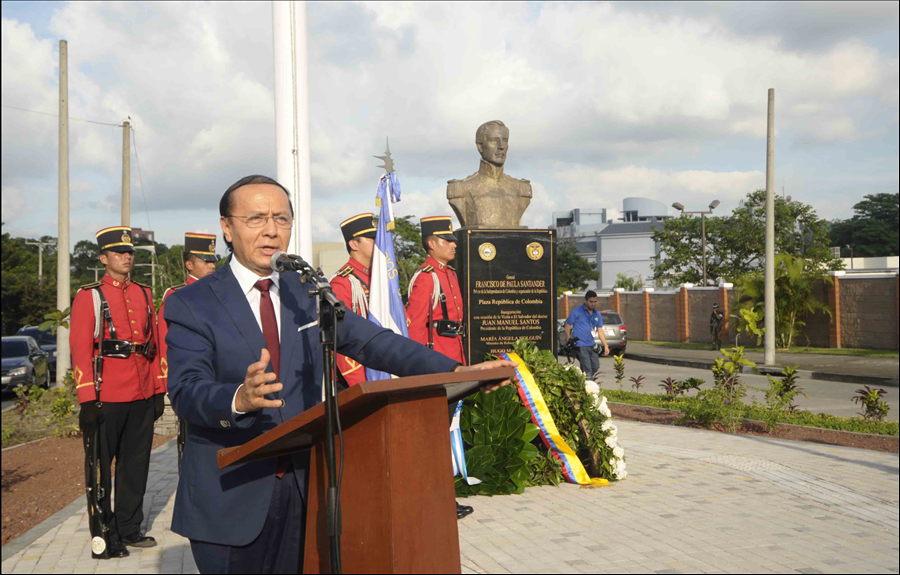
x=613, y=328
x=24, y=363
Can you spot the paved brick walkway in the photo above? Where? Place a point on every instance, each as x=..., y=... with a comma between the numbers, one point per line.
x=694, y=501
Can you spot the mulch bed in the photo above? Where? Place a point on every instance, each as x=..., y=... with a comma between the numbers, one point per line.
x=782, y=431
x=41, y=478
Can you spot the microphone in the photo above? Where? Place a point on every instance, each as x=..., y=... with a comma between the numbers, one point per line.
x=282, y=261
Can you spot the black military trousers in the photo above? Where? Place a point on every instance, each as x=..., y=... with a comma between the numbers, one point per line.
x=126, y=436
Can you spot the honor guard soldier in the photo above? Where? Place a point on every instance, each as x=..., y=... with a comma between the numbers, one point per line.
x=435, y=306
x=113, y=340
x=351, y=283
x=199, y=261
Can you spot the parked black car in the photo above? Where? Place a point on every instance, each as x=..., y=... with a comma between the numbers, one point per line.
x=46, y=340
x=24, y=363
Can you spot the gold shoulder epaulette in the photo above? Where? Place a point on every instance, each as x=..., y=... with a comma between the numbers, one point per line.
x=92, y=285
x=176, y=287
x=449, y=267
x=428, y=269
x=345, y=271
x=140, y=284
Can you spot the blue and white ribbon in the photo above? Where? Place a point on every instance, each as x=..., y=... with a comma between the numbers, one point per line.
x=385, y=304
x=456, y=444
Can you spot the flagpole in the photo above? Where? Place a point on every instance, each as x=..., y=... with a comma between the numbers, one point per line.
x=292, y=162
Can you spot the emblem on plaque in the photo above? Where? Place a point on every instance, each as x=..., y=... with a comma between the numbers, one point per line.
x=487, y=251
x=212, y=246
x=534, y=250
x=126, y=238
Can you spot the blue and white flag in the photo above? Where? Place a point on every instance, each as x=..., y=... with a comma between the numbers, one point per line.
x=457, y=449
x=385, y=304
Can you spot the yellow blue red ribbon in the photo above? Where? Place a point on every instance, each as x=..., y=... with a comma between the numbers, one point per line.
x=573, y=470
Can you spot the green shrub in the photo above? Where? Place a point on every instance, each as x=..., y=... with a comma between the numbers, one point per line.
x=619, y=368
x=873, y=406
x=62, y=405
x=799, y=417
x=498, y=429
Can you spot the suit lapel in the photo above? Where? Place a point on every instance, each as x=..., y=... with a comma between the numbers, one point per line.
x=292, y=317
x=228, y=290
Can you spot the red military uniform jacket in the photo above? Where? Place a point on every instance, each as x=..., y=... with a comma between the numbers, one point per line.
x=421, y=297
x=163, y=329
x=124, y=380
x=353, y=371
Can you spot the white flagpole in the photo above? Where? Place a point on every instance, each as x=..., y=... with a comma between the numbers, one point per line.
x=292, y=117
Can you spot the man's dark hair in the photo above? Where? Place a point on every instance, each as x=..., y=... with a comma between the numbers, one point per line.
x=225, y=202
x=428, y=239
x=589, y=294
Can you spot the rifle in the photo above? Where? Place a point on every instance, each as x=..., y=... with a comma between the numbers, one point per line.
x=95, y=492
x=93, y=467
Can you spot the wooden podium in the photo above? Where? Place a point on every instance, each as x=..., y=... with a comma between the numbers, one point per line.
x=397, y=495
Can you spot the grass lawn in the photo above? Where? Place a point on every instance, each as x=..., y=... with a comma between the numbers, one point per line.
x=806, y=350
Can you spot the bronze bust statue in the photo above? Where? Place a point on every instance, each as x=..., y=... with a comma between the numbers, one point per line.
x=489, y=199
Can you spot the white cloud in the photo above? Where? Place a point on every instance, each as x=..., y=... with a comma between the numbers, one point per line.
x=14, y=205
x=603, y=100
x=591, y=187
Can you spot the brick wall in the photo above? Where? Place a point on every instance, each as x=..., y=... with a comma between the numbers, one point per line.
x=662, y=316
x=869, y=307
x=633, y=314
x=700, y=302
x=867, y=318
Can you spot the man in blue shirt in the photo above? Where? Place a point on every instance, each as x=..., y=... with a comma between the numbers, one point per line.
x=583, y=323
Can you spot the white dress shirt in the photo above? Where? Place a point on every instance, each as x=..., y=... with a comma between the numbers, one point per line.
x=247, y=279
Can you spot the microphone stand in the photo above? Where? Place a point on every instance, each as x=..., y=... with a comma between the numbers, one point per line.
x=331, y=312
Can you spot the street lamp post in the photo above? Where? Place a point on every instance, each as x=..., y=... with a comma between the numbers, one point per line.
x=712, y=206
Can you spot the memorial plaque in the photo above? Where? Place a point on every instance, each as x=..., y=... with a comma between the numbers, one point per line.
x=507, y=279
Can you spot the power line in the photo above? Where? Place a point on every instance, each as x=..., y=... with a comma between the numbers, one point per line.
x=57, y=115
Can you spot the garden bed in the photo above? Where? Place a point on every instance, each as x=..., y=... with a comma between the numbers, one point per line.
x=657, y=415
x=41, y=478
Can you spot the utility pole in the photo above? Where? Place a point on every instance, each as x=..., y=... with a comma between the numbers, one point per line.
x=63, y=300
x=292, y=166
x=769, y=356
x=40, y=246
x=96, y=271
x=126, y=173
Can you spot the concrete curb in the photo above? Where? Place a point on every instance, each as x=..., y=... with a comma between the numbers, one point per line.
x=773, y=370
x=55, y=520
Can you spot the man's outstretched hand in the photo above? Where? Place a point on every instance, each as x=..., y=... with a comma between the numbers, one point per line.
x=489, y=387
x=257, y=383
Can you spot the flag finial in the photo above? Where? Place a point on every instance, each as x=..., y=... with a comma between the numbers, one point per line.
x=386, y=158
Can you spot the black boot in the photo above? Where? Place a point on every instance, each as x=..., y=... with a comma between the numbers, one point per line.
x=463, y=511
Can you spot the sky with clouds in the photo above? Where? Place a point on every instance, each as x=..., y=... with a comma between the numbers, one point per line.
x=603, y=101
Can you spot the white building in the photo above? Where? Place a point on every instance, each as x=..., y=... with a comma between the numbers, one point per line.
x=615, y=247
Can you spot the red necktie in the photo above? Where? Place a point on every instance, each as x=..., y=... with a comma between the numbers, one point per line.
x=270, y=333
x=269, y=323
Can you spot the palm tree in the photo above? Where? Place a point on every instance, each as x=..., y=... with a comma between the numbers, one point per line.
x=794, y=299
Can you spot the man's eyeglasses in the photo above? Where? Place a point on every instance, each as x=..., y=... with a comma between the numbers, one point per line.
x=260, y=221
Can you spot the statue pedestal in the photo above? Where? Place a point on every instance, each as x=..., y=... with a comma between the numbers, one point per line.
x=508, y=281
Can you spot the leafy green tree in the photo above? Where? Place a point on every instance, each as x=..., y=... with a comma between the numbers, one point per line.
x=628, y=283
x=573, y=272
x=25, y=299
x=794, y=299
x=408, y=249
x=873, y=231
x=735, y=244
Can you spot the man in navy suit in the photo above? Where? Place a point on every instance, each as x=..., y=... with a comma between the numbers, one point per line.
x=244, y=356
